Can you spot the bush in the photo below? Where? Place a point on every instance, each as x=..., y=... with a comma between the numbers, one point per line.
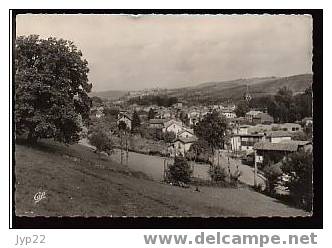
x=234, y=177
x=298, y=166
x=102, y=141
x=179, y=171
x=272, y=173
x=217, y=173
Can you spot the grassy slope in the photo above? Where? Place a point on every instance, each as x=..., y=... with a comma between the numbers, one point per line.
x=77, y=184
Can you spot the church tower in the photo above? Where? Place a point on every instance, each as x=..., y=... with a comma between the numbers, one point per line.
x=247, y=95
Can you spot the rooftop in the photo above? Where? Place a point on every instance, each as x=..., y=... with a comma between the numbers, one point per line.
x=279, y=133
x=254, y=112
x=290, y=146
x=157, y=121
x=187, y=140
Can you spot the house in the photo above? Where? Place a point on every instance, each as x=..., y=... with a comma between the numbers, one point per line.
x=177, y=105
x=290, y=127
x=245, y=142
x=260, y=128
x=238, y=121
x=164, y=114
x=262, y=118
x=157, y=123
x=181, y=145
x=264, y=150
x=124, y=118
x=228, y=113
x=252, y=114
x=241, y=129
x=186, y=133
x=278, y=136
x=172, y=126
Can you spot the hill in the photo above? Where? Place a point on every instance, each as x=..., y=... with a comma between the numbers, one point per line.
x=109, y=94
x=77, y=183
x=225, y=90
x=235, y=89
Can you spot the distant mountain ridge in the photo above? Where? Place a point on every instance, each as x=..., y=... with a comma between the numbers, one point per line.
x=109, y=94
x=233, y=89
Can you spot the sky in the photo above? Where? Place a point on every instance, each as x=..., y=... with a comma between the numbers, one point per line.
x=127, y=52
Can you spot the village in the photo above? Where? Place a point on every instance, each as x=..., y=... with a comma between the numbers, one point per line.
x=252, y=141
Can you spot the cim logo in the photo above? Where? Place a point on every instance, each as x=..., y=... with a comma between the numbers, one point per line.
x=39, y=196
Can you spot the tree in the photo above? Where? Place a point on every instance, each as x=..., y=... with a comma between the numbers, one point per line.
x=102, y=141
x=51, y=86
x=218, y=174
x=111, y=112
x=151, y=114
x=169, y=137
x=298, y=166
x=122, y=126
x=136, y=122
x=200, y=151
x=212, y=129
x=242, y=108
x=184, y=118
x=179, y=171
x=272, y=173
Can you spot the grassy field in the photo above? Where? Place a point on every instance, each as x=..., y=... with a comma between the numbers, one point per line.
x=77, y=183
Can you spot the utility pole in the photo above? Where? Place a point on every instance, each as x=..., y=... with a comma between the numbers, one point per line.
x=127, y=150
x=121, y=150
x=255, y=170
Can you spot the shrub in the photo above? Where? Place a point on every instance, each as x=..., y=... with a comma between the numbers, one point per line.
x=102, y=141
x=217, y=173
x=272, y=173
x=298, y=166
x=179, y=171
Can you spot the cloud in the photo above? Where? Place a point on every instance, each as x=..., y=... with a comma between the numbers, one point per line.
x=131, y=52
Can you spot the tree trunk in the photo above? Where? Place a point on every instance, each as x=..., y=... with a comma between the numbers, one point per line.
x=32, y=138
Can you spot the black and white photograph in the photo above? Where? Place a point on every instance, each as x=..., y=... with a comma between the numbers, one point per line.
x=163, y=115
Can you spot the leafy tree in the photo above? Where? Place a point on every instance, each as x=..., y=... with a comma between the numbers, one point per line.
x=169, y=137
x=184, y=118
x=212, y=128
x=51, y=86
x=218, y=174
x=102, y=141
x=179, y=171
x=200, y=151
x=111, y=112
x=286, y=107
x=272, y=173
x=122, y=126
x=298, y=166
x=136, y=122
x=151, y=114
x=242, y=108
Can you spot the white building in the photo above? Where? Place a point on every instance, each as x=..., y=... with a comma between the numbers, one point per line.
x=278, y=136
x=173, y=126
x=186, y=133
x=181, y=145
